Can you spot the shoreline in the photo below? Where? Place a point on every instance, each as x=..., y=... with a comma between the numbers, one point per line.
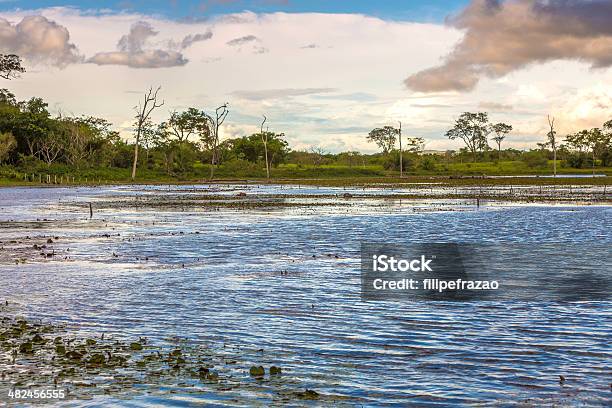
x=490, y=180
x=351, y=192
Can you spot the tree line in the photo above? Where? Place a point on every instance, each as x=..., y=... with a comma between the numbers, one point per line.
x=586, y=148
x=190, y=139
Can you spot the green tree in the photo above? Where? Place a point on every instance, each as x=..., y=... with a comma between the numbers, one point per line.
x=7, y=97
x=10, y=66
x=7, y=144
x=501, y=130
x=385, y=138
x=472, y=129
x=182, y=125
x=596, y=141
x=251, y=148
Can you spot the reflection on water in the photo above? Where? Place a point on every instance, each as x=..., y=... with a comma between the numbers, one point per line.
x=287, y=281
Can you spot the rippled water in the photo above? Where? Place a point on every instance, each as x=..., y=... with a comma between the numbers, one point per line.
x=218, y=275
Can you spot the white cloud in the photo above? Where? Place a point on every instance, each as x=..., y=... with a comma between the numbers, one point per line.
x=131, y=49
x=329, y=95
x=38, y=40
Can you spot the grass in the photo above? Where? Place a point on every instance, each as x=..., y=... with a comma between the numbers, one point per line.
x=328, y=175
x=513, y=168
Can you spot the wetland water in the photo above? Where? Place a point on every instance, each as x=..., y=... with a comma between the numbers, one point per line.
x=275, y=280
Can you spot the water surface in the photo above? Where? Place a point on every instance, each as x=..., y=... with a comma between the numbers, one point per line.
x=287, y=280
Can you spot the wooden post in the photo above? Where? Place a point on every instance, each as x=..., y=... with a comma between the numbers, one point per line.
x=90, y=211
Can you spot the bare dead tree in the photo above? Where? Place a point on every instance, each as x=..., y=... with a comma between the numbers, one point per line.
x=264, y=139
x=552, y=141
x=220, y=114
x=144, y=109
x=401, y=153
x=317, y=156
x=50, y=148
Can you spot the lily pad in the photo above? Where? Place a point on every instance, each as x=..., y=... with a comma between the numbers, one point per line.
x=97, y=359
x=257, y=371
x=74, y=355
x=25, y=348
x=308, y=395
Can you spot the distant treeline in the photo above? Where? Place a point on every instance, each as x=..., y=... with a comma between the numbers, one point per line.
x=31, y=136
x=187, y=143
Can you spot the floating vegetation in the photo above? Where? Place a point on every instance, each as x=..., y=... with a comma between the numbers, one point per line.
x=34, y=355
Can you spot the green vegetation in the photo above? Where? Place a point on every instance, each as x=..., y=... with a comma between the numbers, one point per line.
x=79, y=367
x=36, y=147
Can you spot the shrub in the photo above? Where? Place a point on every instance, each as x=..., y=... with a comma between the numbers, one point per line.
x=7, y=145
x=535, y=159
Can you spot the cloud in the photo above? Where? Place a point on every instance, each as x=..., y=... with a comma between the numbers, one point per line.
x=257, y=48
x=504, y=36
x=38, y=40
x=131, y=49
x=193, y=38
x=495, y=107
x=143, y=59
x=280, y=93
x=242, y=40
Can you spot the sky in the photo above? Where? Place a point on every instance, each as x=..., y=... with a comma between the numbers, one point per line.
x=324, y=72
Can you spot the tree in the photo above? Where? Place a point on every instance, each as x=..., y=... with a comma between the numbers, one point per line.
x=501, y=130
x=606, y=153
x=50, y=147
x=384, y=137
x=251, y=148
x=578, y=141
x=144, y=109
x=184, y=124
x=264, y=139
x=7, y=97
x=472, y=129
x=415, y=144
x=594, y=140
x=162, y=143
x=148, y=135
x=220, y=115
x=552, y=142
x=31, y=124
x=205, y=133
x=10, y=66
x=7, y=144
x=317, y=156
